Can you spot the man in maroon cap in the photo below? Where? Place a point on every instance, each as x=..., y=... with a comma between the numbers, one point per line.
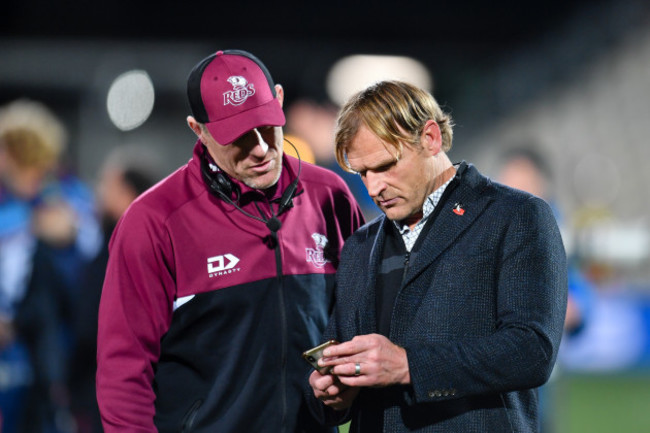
x=209, y=300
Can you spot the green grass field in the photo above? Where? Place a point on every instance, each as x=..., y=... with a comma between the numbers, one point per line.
x=598, y=404
x=602, y=403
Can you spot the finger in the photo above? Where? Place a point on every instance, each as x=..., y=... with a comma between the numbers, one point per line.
x=337, y=404
x=348, y=348
x=323, y=382
x=336, y=389
x=328, y=362
x=343, y=400
x=319, y=382
x=341, y=349
x=357, y=381
x=332, y=402
x=350, y=369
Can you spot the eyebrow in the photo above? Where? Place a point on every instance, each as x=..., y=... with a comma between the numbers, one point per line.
x=379, y=165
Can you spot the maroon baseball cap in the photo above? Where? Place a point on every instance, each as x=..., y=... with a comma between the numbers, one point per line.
x=232, y=92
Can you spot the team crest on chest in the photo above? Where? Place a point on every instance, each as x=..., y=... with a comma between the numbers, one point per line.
x=316, y=256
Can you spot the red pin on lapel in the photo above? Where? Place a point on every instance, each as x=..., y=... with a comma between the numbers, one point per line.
x=458, y=209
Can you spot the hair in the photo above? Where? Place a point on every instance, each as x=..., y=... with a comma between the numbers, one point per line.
x=530, y=154
x=203, y=128
x=396, y=112
x=140, y=165
x=31, y=134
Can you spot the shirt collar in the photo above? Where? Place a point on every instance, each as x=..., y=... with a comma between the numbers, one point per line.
x=427, y=208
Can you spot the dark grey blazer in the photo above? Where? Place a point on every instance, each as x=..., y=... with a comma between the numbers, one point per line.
x=480, y=313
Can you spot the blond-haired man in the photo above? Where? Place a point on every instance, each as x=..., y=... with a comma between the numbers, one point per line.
x=450, y=306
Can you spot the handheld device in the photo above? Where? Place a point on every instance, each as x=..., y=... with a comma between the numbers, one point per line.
x=315, y=353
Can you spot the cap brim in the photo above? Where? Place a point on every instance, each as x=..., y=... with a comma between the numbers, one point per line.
x=228, y=130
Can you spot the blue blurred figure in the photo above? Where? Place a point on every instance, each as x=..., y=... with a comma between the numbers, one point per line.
x=48, y=230
x=525, y=169
x=126, y=173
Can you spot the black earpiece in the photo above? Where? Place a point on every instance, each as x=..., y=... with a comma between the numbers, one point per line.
x=220, y=185
x=219, y=182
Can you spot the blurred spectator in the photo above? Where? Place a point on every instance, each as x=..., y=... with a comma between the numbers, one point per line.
x=525, y=169
x=126, y=173
x=315, y=124
x=48, y=229
x=299, y=148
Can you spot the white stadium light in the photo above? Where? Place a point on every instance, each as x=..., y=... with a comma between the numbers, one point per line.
x=354, y=73
x=130, y=99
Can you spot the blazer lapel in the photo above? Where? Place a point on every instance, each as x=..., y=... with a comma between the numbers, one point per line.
x=368, y=313
x=459, y=211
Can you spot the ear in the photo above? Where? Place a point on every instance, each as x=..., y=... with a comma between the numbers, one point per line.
x=194, y=126
x=431, y=139
x=279, y=94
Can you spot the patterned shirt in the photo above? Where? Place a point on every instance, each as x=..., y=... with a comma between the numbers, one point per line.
x=410, y=236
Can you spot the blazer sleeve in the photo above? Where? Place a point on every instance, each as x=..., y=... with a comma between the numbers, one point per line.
x=531, y=291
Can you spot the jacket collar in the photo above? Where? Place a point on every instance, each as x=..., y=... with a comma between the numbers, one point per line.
x=468, y=201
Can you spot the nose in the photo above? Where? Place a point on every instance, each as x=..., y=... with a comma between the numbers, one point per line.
x=374, y=183
x=261, y=146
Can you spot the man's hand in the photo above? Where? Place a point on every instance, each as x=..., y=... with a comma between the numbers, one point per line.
x=331, y=391
x=368, y=360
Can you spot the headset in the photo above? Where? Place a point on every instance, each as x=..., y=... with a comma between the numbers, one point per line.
x=220, y=185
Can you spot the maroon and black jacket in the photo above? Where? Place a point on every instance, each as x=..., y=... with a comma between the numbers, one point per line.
x=204, y=317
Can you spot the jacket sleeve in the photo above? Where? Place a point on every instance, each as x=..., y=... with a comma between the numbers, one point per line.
x=349, y=218
x=135, y=311
x=343, y=323
x=531, y=291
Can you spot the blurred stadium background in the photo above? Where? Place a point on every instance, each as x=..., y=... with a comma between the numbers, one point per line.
x=570, y=79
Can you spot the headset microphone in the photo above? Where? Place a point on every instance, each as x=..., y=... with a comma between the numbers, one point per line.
x=286, y=201
x=273, y=224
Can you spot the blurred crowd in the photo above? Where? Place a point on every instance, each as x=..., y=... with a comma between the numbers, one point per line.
x=54, y=230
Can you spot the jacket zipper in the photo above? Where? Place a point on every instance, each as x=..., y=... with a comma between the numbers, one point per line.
x=407, y=258
x=283, y=324
x=283, y=310
x=188, y=421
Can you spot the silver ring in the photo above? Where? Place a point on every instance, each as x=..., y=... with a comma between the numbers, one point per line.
x=357, y=369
